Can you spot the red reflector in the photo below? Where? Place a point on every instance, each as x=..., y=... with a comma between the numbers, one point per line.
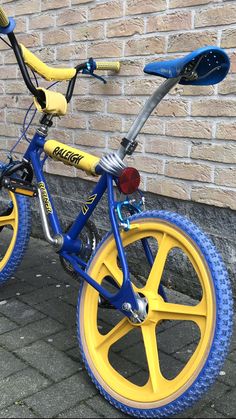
x=129, y=180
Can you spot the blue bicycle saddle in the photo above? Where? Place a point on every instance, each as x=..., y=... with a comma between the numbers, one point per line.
x=204, y=66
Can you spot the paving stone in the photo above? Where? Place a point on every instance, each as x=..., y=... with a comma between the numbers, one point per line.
x=71, y=297
x=174, y=339
x=227, y=404
x=209, y=413
x=23, y=336
x=57, y=272
x=6, y=325
x=170, y=367
x=80, y=411
x=140, y=378
x=60, y=311
x=44, y=294
x=130, y=339
x=64, y=340
x=110, y=317
x=37, y=251
x=136, y=354
x=232, y=356
x=13, y=287
x=25, y=276
x=233, y=339
x=61, y=396
x=101, y=405
x=123, y=366
x=20, y=313
x=48, y=360
x=75, y=355
x=17, y=411
x=216, y=392
x=51, y=266
x=185, y=353
x=228, y=373
x=9, y=364
x=20, y=385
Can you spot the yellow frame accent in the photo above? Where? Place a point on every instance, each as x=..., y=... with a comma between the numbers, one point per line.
x=71, y=156
x=158, y=391
x=48, y=73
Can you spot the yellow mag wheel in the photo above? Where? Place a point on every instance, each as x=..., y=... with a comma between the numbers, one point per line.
x=153, y=368
x=15, y=223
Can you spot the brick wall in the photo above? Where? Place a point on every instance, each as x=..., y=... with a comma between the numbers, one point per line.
x=187, y=148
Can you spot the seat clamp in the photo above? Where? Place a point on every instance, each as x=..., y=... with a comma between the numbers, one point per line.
x=129, y=146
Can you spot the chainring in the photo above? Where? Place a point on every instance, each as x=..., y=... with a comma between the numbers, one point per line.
x=89, y=238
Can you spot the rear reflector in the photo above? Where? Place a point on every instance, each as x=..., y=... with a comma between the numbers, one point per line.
x=129, y=180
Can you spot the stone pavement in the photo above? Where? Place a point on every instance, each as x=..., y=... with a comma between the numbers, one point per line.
x=41, y=372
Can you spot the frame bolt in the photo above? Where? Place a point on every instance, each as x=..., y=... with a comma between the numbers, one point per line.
x=127, y=307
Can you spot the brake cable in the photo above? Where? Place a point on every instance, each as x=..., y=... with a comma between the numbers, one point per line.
x=6, y=42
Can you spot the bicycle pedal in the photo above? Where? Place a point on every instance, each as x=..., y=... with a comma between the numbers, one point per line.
x=20, y=186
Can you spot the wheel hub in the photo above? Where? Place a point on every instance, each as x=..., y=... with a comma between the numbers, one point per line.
x=140, y=315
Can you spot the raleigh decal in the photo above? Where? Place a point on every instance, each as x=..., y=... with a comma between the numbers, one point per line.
x=72, y=158
x=45, y=197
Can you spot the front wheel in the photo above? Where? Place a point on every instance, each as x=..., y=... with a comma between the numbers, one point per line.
x=169, y=360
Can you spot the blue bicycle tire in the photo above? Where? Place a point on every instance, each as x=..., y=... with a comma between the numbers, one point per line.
x=221, y=332
x=21, y=234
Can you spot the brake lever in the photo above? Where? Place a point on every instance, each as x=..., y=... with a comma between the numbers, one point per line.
x=91, y=67
x=91, y=73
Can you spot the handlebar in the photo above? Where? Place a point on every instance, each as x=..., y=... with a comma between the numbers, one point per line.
x=25, y=59
x=4, y=21
x=48, y=73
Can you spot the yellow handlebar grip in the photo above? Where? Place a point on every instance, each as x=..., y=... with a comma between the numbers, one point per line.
x=4, y=21
x=108, y=65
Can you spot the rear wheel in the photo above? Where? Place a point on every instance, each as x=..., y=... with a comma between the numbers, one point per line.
x=165, y=382
x=15, y=225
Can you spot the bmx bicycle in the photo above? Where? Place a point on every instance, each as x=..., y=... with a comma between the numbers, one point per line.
x=108, y=285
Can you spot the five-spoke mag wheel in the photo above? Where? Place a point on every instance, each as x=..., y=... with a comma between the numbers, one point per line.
x=104, y=335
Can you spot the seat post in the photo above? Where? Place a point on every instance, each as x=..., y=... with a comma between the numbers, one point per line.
x=144, y=114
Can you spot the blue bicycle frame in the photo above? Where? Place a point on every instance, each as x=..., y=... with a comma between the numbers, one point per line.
x=71, y=244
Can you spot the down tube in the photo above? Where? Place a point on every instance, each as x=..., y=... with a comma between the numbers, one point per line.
x=51, y=212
